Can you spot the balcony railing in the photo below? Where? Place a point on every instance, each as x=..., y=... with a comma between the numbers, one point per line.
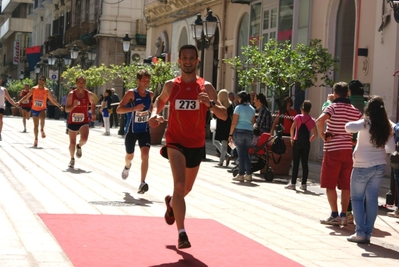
x=75, y=32
x=12, y=25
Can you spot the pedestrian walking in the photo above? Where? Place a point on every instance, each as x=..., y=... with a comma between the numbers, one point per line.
x=137, y=105
x=190, y=97
x=375, y=139
x=77, y=105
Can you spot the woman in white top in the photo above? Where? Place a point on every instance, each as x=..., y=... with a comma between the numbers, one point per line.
x=375, y=139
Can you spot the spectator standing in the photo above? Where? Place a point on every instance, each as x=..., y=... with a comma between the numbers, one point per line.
x=113, y=118
x=107, y=110
x=300, y=140
x=26, y=106
x=337, y=161
x=190, y=97
x=99, y=113
x=264, y=120
x=395, y=213
x=330, y=99
x=375, y=139
x=285, y=116
x=4, y=95
x=233, y=100
x=51, y=106
x=241, y=132
x=223, y=128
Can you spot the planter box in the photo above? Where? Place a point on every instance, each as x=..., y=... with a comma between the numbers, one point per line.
x=157, y=133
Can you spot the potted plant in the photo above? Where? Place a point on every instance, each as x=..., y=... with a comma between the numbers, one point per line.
x=280, y=67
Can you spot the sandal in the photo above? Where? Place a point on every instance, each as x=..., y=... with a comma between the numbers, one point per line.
x=43, y=133
x=35, y=143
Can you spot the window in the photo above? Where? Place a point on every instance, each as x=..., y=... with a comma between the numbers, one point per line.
x=269, y=30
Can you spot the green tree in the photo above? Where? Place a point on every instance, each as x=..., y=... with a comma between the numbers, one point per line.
x=279, y=66
x=14, y=87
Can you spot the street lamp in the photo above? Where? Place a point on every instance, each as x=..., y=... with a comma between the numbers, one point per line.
x=21, y=75
x=126, y=42
x=37, y=72
x=203, y=31
x=59, y=61
x=91, y=55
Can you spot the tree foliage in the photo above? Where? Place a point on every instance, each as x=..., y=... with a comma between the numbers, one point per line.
x=14, y=87
x=279, y=66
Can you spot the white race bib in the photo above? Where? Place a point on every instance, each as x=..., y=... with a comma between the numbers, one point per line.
x=38, y=103
x=78, y=117
x=141, y=116
x=26, y=101
x=182, y=104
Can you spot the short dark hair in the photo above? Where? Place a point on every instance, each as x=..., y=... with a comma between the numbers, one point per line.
x=188, y=46
x=141, y=73
x=341, y=89
x=42, y=78
x=306, y=106
x=262, y=98
x=244, y=97
x=356, y=87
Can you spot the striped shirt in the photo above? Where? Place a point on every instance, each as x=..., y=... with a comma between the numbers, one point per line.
x=340, y=113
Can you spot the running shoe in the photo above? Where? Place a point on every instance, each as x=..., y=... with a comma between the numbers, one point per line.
x=78, y=151
x=331, y=220
x=71, y=163
x=125, y=173
x=394, y=214
x=169, y=216
x=43, y=133
x=183, y=241
x=35, y=143
x=143, y=188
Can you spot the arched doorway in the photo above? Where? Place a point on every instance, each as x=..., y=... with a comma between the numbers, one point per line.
x=345, y=40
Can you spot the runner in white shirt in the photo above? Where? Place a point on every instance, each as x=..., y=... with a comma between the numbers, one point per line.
x=3, y=96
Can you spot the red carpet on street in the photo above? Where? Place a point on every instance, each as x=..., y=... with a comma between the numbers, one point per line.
x=125, y=241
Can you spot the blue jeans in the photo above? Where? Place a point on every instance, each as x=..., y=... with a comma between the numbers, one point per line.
x=242, y=140
x=365, y=184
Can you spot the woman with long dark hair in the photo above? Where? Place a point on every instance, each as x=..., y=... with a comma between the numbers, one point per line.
x=375, y=139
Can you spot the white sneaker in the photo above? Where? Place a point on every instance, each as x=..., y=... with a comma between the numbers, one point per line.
x=71, y=163
x=248, y=177
x=125, y=173
x=290, y=186
x=239, y=178
x=394, y=214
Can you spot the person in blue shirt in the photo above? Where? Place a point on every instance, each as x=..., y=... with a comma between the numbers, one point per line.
x=137, y=105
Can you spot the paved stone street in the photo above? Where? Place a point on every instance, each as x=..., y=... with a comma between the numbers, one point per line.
x=37, y=180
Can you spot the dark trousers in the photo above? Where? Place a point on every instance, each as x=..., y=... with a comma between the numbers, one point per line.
x=300, y=153
x=113, y=118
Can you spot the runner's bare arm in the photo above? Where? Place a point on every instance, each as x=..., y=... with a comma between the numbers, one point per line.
x=159, y=104
x=122, y=109
x=210, y=95
x=54, y=101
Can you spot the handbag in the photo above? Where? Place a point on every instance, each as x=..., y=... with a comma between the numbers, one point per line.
x=212, y=125
x=278, y=147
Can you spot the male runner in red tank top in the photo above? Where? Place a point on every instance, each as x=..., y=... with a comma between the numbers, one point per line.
x=190, y=97
x=77, y=105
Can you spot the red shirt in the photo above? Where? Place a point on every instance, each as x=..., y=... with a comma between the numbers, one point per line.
x=187, y=116
x=79, y=115
x=27, y=102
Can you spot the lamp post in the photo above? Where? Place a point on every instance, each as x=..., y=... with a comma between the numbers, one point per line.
x=203, y=31
x=37, y=72
x=126, y=42
x=91, y=55
x=59, y=61
x=21, y=75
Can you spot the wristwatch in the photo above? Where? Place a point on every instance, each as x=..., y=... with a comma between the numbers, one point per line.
x=212, y=104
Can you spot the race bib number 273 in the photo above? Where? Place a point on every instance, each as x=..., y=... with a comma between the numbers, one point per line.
x=181, y=104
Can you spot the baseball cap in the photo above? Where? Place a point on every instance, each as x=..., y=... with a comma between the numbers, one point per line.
x=356, y=87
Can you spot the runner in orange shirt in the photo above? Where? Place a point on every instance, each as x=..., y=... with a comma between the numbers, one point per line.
x=39, y=94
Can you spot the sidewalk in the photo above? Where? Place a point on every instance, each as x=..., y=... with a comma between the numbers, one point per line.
x=38, y=180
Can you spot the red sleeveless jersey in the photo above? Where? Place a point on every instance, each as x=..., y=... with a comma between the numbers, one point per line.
x=79, y=115
x=187, y=116
x=27, y=102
